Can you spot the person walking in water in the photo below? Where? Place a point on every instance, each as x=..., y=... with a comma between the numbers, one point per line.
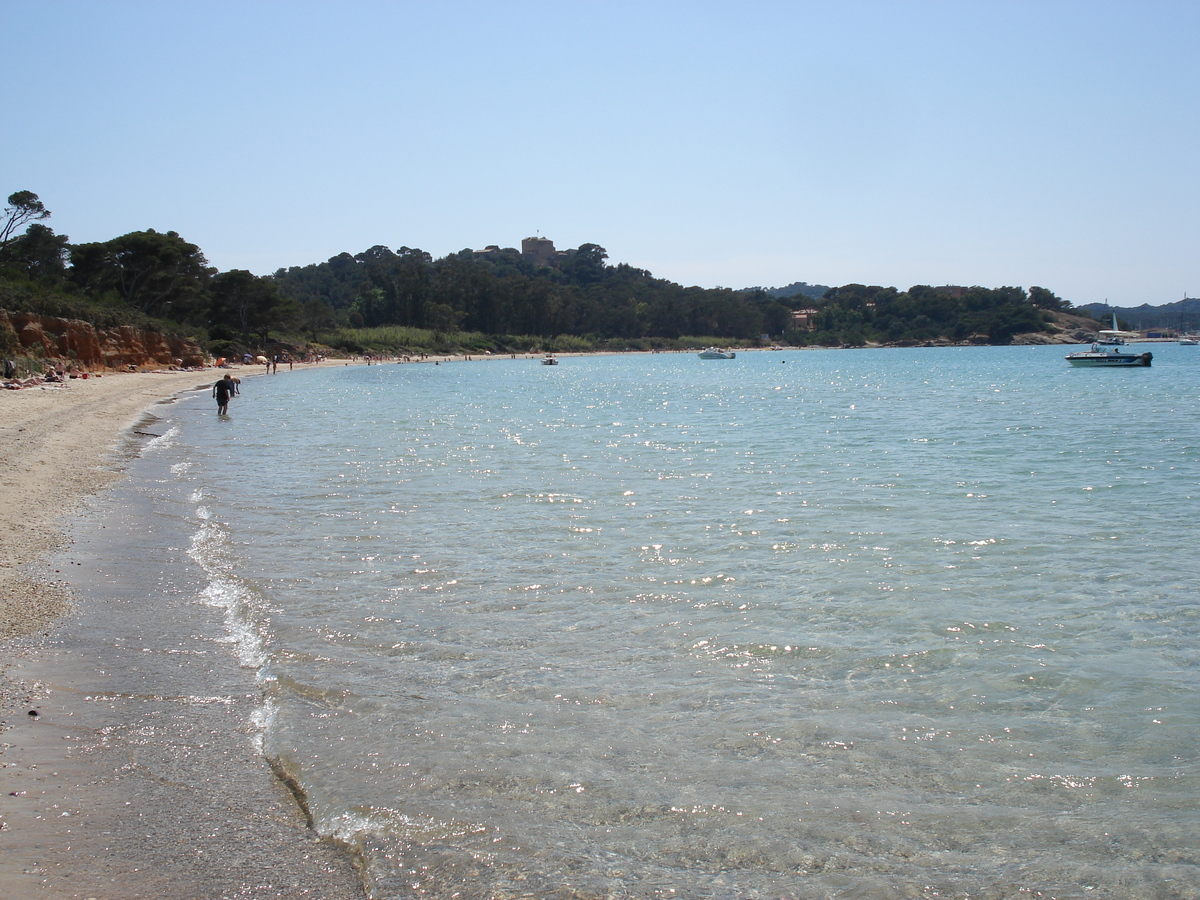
x=223, y=390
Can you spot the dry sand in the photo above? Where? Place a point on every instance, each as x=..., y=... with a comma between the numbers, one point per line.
x=62, y=812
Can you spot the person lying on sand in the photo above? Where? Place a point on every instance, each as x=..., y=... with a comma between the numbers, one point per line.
x=16, y=384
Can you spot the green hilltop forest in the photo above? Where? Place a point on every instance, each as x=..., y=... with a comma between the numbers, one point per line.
x=405, y=301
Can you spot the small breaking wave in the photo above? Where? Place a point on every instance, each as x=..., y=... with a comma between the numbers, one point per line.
x=242, y=604
x=161, y=441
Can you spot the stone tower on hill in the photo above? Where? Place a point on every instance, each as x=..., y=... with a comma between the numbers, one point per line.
x=540, y=251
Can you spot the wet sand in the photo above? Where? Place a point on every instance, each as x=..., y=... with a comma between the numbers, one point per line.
x=138, y=776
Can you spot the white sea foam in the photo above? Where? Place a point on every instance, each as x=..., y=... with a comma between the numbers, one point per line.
x=261, y=720
x=163, y=441
x=244, y=625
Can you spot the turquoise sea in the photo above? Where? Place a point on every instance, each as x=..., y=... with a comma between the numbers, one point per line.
x=852, y=623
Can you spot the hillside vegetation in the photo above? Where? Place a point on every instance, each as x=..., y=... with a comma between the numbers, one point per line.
x=405, y=301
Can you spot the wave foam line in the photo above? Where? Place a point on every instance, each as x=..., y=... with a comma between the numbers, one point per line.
x=239, y=602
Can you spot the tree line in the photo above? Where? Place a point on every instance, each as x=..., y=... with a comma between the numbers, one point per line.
x=497, y=292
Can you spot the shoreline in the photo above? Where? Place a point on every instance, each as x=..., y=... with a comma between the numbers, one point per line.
x=68, y=784
x=58, y=446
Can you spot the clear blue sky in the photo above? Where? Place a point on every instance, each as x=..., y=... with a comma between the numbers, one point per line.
x=736, y=144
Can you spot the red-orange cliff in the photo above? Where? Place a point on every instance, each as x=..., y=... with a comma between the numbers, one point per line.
x=75, y=341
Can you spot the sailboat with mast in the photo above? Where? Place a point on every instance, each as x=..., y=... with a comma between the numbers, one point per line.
x=1185, y=337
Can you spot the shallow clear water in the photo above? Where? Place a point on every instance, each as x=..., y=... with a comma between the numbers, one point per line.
x=825, y=623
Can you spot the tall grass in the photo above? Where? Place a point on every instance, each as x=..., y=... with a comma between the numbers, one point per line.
x=398, y=339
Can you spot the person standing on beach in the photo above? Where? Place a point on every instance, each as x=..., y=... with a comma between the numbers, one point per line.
x=223, y=390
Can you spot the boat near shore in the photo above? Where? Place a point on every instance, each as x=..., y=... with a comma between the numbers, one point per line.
x=1115, y=337
x=1108, y=350
x=716, y=353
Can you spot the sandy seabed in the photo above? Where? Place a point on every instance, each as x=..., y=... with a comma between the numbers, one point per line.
x=81, y=814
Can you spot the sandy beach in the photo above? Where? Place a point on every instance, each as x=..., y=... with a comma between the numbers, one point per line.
x=69, y=826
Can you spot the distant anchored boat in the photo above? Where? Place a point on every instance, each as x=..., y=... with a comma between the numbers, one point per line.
x=716, y=353
x=1100, y=355
x=1114, y=337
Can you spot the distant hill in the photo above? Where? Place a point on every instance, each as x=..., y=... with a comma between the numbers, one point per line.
x=1182, y=315
x=816, y=291
x=495, y=298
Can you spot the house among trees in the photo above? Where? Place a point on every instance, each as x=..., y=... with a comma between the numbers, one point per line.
x=804, y=319
x=957, y=291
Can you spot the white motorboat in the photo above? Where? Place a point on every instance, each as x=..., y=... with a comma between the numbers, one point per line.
x=1189, y=339
x=716, y=353
x=1101, y=355
x=549, y=360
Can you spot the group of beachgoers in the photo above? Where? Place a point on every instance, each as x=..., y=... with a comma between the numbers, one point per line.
x=272, y=363
x=229, y=386
x=58, y=374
